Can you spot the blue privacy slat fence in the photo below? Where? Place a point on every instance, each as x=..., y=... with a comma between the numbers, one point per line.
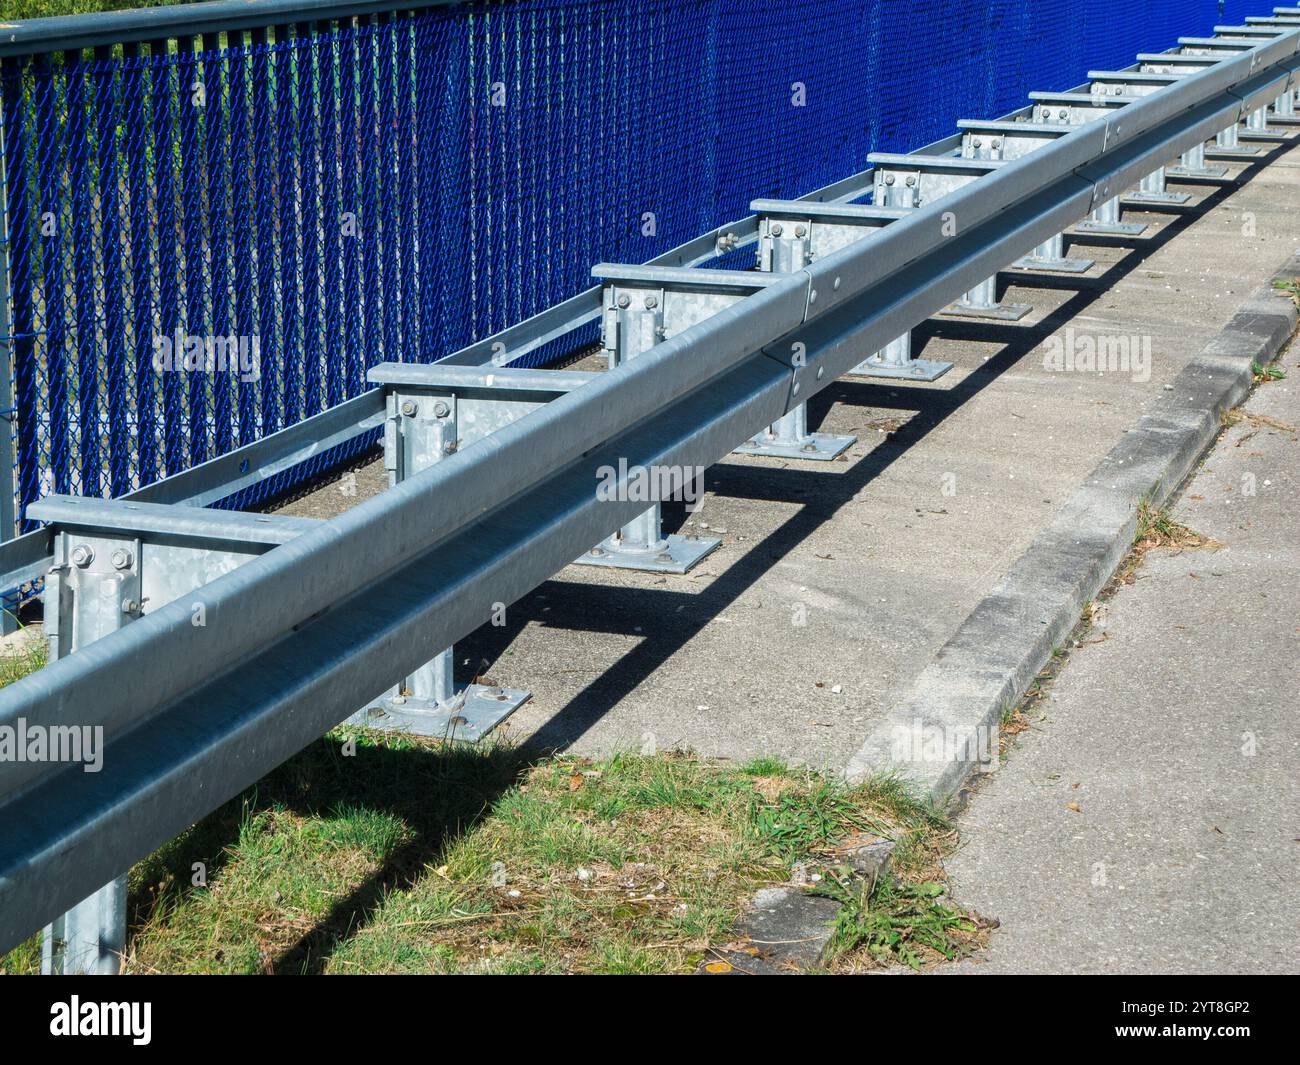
x=396, y=184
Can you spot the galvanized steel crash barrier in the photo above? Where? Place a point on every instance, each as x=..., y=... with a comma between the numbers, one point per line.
x=210, y=645
x=343, y=183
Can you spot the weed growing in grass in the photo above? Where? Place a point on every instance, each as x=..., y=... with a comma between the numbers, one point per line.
x=890, y=922
x=802, y=822
x=1263, y=374
x=1288, y=286
x=1157, y=528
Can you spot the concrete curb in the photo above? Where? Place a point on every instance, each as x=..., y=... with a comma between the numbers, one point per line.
x=935, y=736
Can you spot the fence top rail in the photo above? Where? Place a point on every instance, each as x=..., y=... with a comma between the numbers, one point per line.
x=62, y=33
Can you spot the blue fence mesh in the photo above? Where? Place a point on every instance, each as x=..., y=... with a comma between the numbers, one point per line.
x=316, y=198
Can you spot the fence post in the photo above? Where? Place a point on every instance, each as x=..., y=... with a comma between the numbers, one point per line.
x=8, y=488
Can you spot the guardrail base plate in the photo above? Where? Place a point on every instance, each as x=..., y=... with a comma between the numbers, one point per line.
x=1231, y=153
x=1211, y=172
x=1112, y=229
x=1003, y=312
x=1055, y=266
x=1155, y=199
x=916, y=370
x=475, y=712
x=819, y=447
x=681, y=554
x=1267, y=134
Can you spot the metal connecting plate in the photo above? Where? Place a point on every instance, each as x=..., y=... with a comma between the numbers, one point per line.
x=819, y=447
x=474, y=713
x=915, y=370
x=682, y=553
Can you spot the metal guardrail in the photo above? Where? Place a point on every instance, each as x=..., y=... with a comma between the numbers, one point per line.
x=315, y=621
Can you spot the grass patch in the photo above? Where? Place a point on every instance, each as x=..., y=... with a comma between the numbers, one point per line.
x=24, y=653
x=415, y=857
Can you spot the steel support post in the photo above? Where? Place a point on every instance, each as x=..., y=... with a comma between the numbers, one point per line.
x=1152, y=192
x=8, y=413
x=789, y=438
x=817, y=229
x=1257, y=128
x=90, y=939
x=895, y=360
x=113, y=562
x=1227, y=145
x=911, y=181
x=92, y=589
x=1050, y=256
x=1008, y=141
x=982, y=302
x=1105, y=219
x=633, y=323
x=1192, y=164
x=423, y=427
x=786, y=246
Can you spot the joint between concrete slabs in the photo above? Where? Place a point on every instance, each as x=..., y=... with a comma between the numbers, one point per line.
x=993, y=657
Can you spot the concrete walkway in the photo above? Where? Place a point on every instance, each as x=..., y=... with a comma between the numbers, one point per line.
x=1175, y=730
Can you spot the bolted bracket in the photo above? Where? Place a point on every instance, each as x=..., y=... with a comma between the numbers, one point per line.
x=1014, y=140
x=914, y=180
